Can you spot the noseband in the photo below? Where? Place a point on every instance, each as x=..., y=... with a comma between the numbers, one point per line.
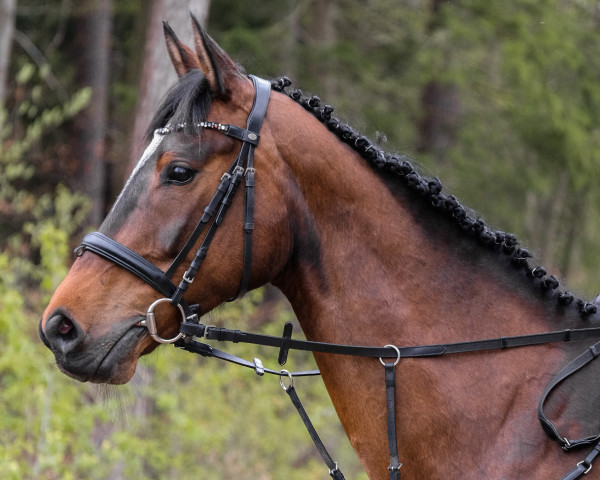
x=214, y=213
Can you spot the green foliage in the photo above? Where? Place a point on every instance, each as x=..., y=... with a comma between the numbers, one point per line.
x=189, y=417
x=181, y=416
x=524, y=149
x=207, y=419
x=525, y=154
x=34, y=438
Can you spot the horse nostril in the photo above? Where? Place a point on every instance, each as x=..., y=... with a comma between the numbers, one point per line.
x=65, y=326
x=62, y=333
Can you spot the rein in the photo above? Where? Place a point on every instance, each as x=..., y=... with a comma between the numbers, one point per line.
x=213, y=215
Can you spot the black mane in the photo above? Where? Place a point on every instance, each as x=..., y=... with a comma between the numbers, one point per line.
x=430, y=190
x=186, y=103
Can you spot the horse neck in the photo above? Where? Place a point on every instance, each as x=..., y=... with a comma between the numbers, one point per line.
x=373, y=265
x=378, y=262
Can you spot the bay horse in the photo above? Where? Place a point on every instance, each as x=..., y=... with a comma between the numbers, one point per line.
x=367, y=251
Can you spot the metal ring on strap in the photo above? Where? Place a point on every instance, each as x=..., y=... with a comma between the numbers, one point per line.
x=150, y=322
x=398, y=355
x=285, y=373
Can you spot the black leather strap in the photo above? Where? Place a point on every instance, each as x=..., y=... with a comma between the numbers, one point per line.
x=242, y=166
x=254, y=124
x=245, y=135
x=119, y=254
x=390, y=389
x=206, y=350
x=209, y=212
x=285, y=344
x=334, y=471
x=224, y=334
x=585, y=465
x=192, y=270
x=575, y=365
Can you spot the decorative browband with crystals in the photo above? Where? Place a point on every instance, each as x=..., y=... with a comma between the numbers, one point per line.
x=228, y=129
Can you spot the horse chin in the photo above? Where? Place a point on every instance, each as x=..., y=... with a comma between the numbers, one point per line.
x=117, y=358
x=118, y=366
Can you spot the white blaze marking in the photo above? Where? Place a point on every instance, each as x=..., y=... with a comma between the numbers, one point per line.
x=146, y=156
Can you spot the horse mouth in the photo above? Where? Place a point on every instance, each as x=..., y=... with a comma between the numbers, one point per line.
x=118, y=365
x=109, y=359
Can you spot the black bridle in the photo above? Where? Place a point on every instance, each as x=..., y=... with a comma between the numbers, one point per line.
x=214, y=213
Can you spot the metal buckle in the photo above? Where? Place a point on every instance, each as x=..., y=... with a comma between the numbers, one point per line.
x=259, y=369
x=205, y=336
x=186, y=278
x=583, y=462
x=150, y=322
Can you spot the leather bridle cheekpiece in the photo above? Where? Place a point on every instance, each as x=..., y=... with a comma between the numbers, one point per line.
x=242, y=167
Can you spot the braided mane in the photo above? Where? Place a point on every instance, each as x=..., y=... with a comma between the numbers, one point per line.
x=430, y=190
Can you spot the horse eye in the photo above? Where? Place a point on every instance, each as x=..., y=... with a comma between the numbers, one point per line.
x=180, y=174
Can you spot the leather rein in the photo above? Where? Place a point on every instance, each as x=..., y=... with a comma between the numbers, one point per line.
x=190, y=327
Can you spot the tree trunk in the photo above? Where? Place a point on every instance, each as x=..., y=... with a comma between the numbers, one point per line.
x=93, y=40
x=441, y=116
x=157, y=72
x=321, y=37
x=156, y=77
x=441, y=107
x=7, y=27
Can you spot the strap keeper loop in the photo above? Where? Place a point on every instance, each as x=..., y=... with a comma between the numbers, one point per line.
x=285, y=343
x=237, y=336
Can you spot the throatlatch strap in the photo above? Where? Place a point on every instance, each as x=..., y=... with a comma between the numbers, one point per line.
x=334, y=471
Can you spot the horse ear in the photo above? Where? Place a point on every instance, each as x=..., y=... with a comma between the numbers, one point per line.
x=183, y=57
x=218, y=68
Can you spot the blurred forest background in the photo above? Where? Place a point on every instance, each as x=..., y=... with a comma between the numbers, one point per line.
x=501, y=100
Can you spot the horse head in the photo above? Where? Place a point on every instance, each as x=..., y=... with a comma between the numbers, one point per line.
x=186, y=174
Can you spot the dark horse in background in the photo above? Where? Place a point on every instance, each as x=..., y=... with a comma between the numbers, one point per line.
x=368, y=252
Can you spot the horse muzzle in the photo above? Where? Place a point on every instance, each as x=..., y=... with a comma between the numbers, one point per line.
x=104, y=359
